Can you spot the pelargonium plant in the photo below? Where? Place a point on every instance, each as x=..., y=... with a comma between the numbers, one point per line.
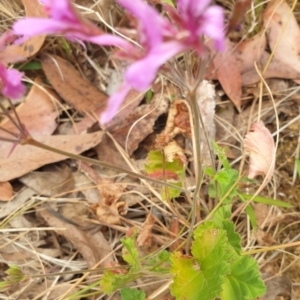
x=160, y=38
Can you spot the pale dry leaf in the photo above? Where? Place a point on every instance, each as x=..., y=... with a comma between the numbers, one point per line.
x=260, y=145
x=276, y=69
x=86, y=187
x=19, y=199
x=6, y=191
x=51, y=182
x=71, y=86
x=277, y=286
x=144, y=238
x=27, y=158
x=14, y=53
x=92, y=246
x=283, y=33
x=250, y=51
x=37, y=113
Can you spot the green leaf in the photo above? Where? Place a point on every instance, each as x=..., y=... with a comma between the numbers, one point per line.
x=202, y=276
x=251, y=215
x=111, y=281
x=161, y=169
x=168, y=193
x=244, y=281
x=130, y=252
x=233, y=238
x=149, y=96
x=223, y=213
x=298, y=166
x=265, y=200
x=226, y=179
x=190, y=282
x=132, y=294
x=209, y=171
x=221, y=153
x=160, y=262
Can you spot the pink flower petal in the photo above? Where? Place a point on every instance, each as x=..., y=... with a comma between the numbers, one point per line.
x=11, y=84
x=151, y=22
x=141, y=73
x=114, y=103
x=260, y=145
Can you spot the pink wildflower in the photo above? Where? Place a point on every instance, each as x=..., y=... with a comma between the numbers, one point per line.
x=260, y=145
x=196, y=18
x=160, y=39
x=10, y=83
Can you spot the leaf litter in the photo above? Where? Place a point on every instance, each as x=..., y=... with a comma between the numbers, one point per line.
x=83, y=195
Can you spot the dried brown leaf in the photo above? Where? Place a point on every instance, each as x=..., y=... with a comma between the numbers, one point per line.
x=250, y=51
x=49, y=183
x=139, y=124
x=276, y=69
x=144, y=238
x=228, y=73
x=14, y=53
x=71, y=86
x=37, y=113
x=28, y=158
x=6, y=191
x=283, y=33
x=93, y=247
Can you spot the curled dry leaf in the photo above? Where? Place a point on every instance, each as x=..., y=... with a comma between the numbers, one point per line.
x=6, y=191
x=145, y=235
x=260, y=145
x=14, y=53
x=109, y=208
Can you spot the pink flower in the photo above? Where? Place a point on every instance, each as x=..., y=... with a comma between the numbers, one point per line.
x=195, y=19
x=160, y=39
x=67, y=21
x=260, y=145
x=11, y=84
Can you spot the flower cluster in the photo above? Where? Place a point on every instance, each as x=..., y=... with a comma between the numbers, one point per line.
x=160, y=38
